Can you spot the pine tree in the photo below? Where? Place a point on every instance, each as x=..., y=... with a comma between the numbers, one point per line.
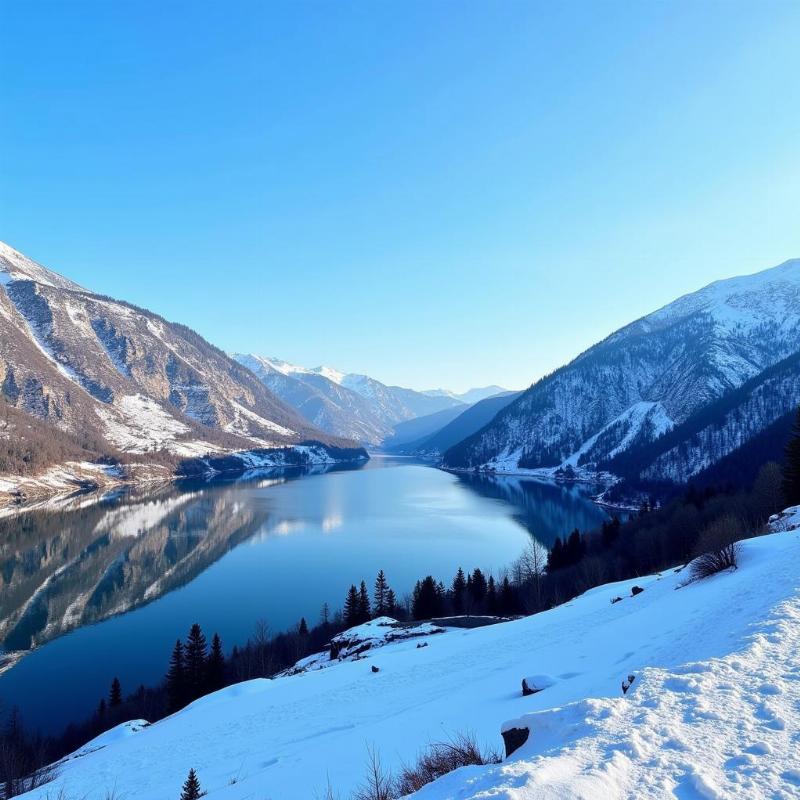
x=427, y=599
x=215, y=666
x=176, y=679
x=575, y=548
x=507, y=600
x=115, y=695
x=195, y=662
x=101, y=710
x=191, y=789
x=491, y=596
x=325, y=615
x=302, y=628
x=363, y=604
x=351, y=607
x=478, y=586
x=791, y=466
x=391, y=603
x=381, y=595
x=555, y=558
x=459, y=586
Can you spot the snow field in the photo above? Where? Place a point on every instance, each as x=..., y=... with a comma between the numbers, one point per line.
x=714, y=711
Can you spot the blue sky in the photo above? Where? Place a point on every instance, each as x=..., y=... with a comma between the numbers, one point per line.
x=435, y=193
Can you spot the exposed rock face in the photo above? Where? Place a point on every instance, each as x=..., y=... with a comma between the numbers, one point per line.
x=126, y=379
x=514, y=738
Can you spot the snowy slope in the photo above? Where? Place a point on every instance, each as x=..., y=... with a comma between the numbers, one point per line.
x=714, y=711
x=676, y=360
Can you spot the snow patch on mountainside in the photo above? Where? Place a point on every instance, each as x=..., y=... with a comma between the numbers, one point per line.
x=138, y=424
x=714, y=708
x=643, y=421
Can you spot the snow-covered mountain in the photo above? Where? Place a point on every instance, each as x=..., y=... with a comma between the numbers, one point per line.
x=713, y=710
x=344, y=404
x=646, y=378
x=124, y=381
x=471, y=396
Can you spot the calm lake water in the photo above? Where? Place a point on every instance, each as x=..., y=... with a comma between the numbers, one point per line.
x=87, y=593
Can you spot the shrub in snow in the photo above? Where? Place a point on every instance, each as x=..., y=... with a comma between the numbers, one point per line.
x=440, y=758
x=717, y=547
x=379, y=784
x=636, y=590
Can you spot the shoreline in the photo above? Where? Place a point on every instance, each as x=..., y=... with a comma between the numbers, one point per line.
x=64, y=483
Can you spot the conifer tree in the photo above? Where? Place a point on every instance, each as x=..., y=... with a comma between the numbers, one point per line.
x=791, y=466
x=491, y=596
x=459, y=586
x=427, y=599
x=115, y=694
x=363, y=604
x=508, y=604
x=391, y=602
x=191, y=789
x=215, y=666
x=325, y=615
x=176, y=679
x=195, y=662
x=380, y=596
x=555, y=558
x=351, y=607
x=302, y=628
x=478, y=586
x=101, y=710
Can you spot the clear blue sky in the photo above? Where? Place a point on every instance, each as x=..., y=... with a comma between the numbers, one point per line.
x=438, y=193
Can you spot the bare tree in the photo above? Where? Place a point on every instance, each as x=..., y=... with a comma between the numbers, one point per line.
x=378, y=784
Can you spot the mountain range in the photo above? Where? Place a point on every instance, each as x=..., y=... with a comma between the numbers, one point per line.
x=100, y=384
x=356, y=406
x=662, y=398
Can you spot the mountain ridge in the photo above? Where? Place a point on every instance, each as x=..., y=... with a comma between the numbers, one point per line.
x=643, y=379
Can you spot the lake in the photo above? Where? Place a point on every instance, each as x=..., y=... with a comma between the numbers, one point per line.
x=102, y=589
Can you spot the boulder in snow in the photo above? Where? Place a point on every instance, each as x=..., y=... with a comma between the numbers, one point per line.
x=636, y=590
x=514, y=738
x=627, y=683
x=535, y=683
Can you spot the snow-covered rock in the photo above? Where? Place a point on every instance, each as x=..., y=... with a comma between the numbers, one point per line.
x=714, y=710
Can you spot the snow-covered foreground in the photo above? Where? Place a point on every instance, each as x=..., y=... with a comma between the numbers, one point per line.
x=714, y=711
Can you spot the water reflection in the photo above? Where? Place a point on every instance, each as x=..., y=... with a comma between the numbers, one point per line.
x=546, y=510
x=99, y=589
